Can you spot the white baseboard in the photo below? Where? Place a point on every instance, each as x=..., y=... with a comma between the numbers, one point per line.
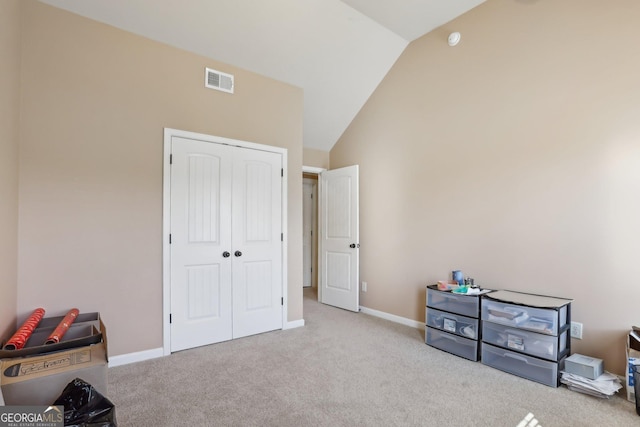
x=294, y=324
x=125, y=359
x=139, y=356
x=392, y=317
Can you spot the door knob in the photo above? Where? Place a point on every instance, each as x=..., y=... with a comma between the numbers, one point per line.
x=226, y=254
x=352, y=246
x=238, y=253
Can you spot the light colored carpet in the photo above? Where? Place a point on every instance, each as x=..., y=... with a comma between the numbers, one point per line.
x=342, y=369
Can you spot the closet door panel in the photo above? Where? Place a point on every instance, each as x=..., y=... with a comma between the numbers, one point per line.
x=257, y=235
x=201, y=280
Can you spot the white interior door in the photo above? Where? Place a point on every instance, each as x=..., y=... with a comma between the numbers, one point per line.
x=226, y=242
x=339, y=240
x=257, y=242
x=201, y=282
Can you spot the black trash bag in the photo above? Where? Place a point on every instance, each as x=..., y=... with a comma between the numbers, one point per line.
x=84, y=406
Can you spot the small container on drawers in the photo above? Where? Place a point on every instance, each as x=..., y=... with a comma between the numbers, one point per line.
x=454, y=344
x=453, y=303
x=548, y=321
x=545, y=346
x=529, y=367
x=454, y=323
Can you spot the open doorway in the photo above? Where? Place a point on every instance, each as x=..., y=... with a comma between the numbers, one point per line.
x=310, y=227
x=310, y=230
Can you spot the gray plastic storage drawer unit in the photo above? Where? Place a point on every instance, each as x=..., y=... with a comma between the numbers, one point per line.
x=526, y=334
x=453, y=323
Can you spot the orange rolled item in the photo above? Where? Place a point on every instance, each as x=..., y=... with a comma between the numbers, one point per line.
x=62, y=327
x=22, y=335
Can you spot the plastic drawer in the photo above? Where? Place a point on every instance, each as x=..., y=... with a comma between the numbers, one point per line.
x=545, y=321
x=460, y=325
x=453, y=344
x=466, y=305
x=528, y=367
x=540, y=345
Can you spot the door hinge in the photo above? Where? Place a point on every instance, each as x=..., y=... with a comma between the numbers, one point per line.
x=282, y=301
x=282, y=172
x=169, y=238
x=170, y=159
x=170, y=318
x=282, y=237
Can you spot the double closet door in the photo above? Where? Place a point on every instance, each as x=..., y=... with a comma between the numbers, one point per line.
x=226, y=242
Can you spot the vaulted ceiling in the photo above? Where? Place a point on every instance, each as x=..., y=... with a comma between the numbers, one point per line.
x=336, y=51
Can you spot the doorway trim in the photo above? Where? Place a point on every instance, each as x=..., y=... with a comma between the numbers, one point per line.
x=166, y=222
x=312, y=169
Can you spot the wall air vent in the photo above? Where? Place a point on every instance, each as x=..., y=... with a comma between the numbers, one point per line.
x=217, y=80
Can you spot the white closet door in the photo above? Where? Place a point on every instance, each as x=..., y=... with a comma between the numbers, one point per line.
x=257, y=242
x=226, y=244
x=201, y=281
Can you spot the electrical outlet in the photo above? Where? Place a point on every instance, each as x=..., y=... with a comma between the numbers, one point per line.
x=364, y=287
x=576, y=330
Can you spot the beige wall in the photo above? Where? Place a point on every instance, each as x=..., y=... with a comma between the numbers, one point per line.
x=514, y=157
x=9, y=137
x=315, y=158
x=95, y=102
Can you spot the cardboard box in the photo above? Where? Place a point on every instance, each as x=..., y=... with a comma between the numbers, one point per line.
x=633, y=358
x=585, y=366
x=40, y=379
x=84, y=331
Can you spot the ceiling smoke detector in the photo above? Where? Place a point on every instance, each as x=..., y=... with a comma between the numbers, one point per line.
x=454, y=39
